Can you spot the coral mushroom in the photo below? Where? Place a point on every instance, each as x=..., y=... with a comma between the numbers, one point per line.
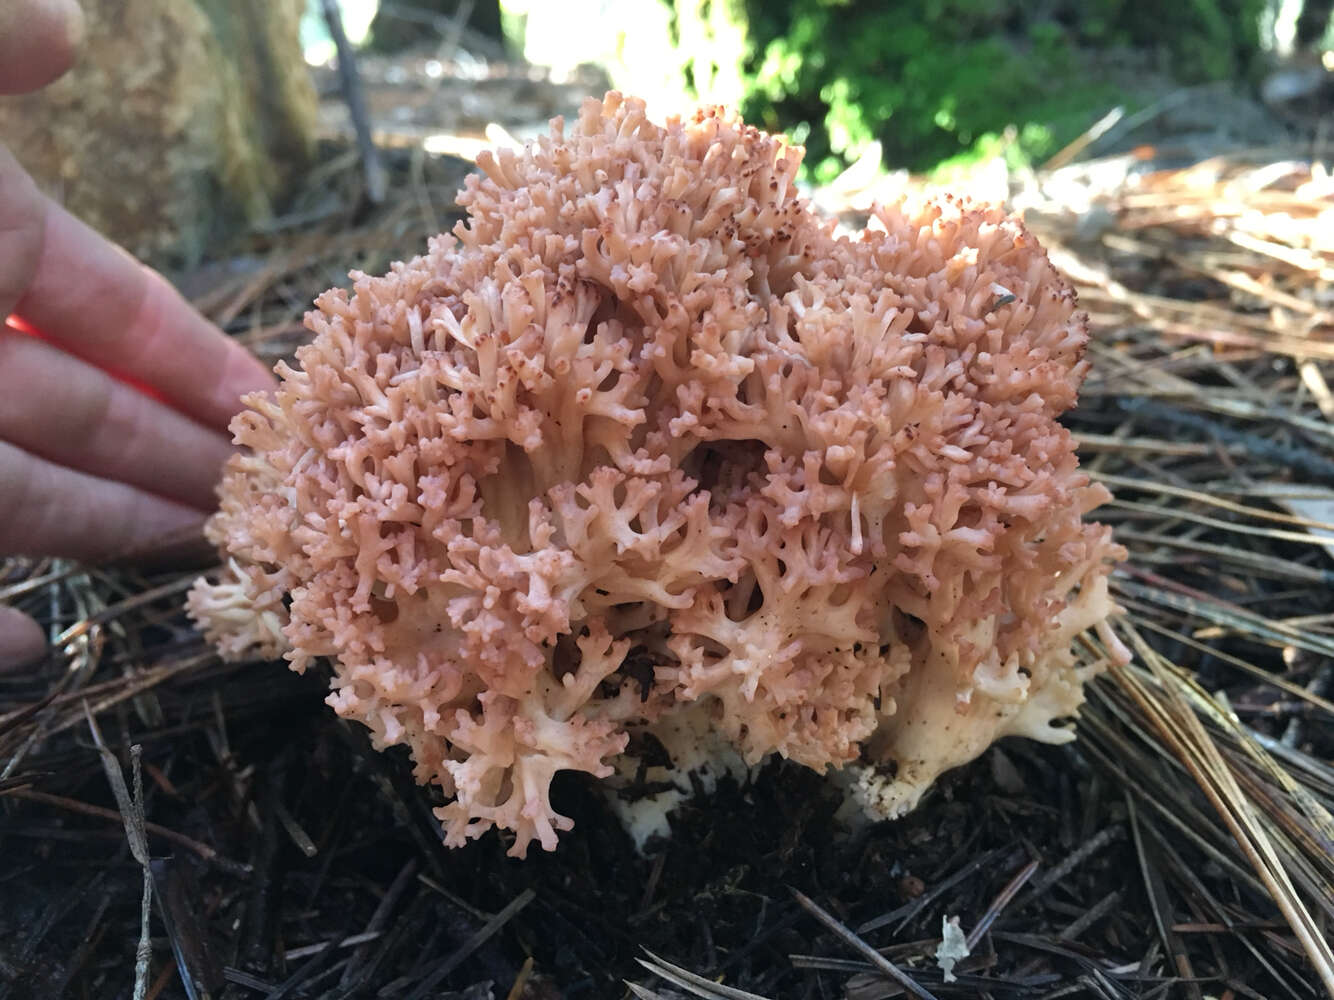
x=646, y=434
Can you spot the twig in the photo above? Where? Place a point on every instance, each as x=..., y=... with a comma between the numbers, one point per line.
x=1182, y=730
x=878, y=960
x=488, y=930
x=999, y=903
x=697, y=985
x=132, y=815
x=1085, y=139
x=355, y=96
x=380, y=918
x=73, y=805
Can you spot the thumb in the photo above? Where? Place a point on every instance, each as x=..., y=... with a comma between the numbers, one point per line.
x=22, y=641
x=39, y=41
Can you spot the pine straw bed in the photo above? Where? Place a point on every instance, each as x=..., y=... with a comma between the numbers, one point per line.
x=1183, y=847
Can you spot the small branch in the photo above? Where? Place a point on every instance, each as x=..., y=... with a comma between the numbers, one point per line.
x=131, y=807
x=881, y=963
x=355, y=97
x=73, y=805
x=999, y=904
x=437, y=975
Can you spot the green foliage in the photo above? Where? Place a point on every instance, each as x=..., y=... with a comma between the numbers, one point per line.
x=935, y=79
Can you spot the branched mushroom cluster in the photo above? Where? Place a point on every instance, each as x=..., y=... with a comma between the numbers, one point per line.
x=645, y=433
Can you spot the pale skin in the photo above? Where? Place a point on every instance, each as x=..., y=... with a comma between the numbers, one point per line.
x=90, y=466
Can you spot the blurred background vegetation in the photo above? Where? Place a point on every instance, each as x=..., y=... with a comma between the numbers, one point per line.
x=910, y=84
x=970, y=93
x=936, y=79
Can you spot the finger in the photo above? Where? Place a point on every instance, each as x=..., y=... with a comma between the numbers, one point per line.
x=62, y=409
x=21, y=639
x=51, y=510
x=39, y=40
x=94, y=300
x=98, y=302
x=22, y=224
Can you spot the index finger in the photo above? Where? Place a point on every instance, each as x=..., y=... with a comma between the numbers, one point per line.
x=94, y=300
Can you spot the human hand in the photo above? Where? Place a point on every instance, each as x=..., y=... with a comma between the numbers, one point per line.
x=113, y=416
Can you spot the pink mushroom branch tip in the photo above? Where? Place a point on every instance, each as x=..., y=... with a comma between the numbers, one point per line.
x=643, y=440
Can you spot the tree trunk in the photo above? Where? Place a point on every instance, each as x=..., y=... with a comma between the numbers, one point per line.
x=182, y=120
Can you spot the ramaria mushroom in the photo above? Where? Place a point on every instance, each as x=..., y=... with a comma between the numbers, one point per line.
x=646, y=436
